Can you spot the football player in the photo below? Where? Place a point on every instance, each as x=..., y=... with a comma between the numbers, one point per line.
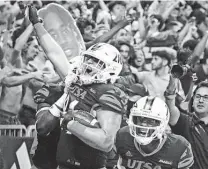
x=88, y=90
x=144, y=142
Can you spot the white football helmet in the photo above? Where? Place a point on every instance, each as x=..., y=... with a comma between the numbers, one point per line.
x=148, y=119
x=103, y=60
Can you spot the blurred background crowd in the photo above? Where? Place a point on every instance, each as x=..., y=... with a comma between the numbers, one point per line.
x=150, y=35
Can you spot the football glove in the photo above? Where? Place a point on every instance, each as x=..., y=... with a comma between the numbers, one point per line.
x=66, y=119
x=33, y=15
x=70, y=78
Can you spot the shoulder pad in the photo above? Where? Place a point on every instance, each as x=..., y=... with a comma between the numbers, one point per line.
x=114, y=99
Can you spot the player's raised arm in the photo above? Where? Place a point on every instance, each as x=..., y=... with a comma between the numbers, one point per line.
x=53, y=51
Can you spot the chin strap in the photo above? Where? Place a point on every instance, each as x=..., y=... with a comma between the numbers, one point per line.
x=160, y=145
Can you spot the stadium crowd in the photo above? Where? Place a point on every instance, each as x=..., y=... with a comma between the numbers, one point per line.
x=150, y=105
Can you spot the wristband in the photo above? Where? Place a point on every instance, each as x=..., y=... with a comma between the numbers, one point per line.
x=37, y=21
x=55, y=111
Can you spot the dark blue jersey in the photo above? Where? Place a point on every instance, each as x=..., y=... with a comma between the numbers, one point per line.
x=175, y=153
x=105, y=95
x=71, y=149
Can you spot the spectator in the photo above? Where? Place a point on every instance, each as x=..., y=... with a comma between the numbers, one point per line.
x=75, y=10
x=185, y=57
x=28, y=106
x=142, y=26
x=155, y=25
x=126, y=51
x=137, y=62
x=33, y=60
x=185, y=12
x=159, y=75
x=100, y=14
x=101, y=29
x=193, y=124
x=117, y=11
x=86, y=28
x=122, y=35
x=20, y=81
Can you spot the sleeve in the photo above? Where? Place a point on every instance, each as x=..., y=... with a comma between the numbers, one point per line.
x=182, y=126
x=52, y=97
x=114, y=100
x=49, y=94
x=187, y=159
x=45, y=121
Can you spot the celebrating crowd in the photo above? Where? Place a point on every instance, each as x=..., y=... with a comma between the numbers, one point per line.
x=107, y=84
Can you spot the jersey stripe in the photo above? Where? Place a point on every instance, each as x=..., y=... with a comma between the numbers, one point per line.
x=187, y=158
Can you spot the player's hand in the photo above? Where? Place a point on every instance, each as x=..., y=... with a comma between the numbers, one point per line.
x=33, y=15
x=42, y=94
x=66, y=119
x=70, y=78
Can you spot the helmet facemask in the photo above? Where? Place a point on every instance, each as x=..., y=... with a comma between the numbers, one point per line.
x=145, y=132
x=101, y=63
x=147, y=122
x=97, y=71
x=90, y=69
